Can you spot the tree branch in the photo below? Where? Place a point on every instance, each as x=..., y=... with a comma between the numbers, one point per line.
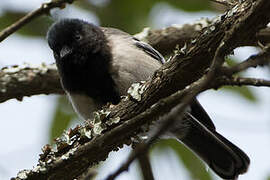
x=44, y=9
x=197, y=88
x=145, y=166
x=253, y=61
x=240, y=81
x=163, y=40
x=26, y=80
x=82, y=147
x=164, y=105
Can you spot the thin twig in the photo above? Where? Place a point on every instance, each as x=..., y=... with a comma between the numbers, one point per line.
x=252, y=61
x=43, y=9
x=145, y=166
x=240, y=81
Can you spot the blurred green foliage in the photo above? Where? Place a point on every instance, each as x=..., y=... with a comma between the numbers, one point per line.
x=242, y=91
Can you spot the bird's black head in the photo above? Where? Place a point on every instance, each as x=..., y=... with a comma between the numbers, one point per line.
x=83, y=59
x=73, y=37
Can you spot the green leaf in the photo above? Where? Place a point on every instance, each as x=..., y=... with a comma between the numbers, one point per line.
x=243, y=91
x=62, y=117
x=37, y=27
x=193, y=164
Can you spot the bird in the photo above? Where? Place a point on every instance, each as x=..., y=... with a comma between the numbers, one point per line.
x=97, y=65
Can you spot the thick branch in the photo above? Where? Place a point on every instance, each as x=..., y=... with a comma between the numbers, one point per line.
x=197, y=88
x=83, y=153
x=184, y=96
x=163, y=40
x=44, y=9
x=19, y=81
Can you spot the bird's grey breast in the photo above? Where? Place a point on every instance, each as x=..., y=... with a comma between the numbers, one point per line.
x=83, y=105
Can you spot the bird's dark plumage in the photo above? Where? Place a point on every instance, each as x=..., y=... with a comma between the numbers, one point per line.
x=97, y=65
x=85, y=66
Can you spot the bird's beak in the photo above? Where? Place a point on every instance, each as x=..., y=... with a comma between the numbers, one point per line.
x=65, y=51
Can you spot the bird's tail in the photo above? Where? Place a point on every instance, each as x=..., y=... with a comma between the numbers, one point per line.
x=223, y=157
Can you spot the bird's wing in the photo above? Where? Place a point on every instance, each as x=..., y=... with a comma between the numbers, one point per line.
x=139, y=44
x=129, y=64
x=149, y=50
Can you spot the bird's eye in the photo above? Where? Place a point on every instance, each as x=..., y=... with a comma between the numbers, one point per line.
x=78, y=36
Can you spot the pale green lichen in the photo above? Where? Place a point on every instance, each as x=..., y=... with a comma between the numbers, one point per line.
x=39, y=168
x=66, y=138
x=49, y=161
x=193, y=41
x=124, y=98
x=23, y=174
x=98, y=128
x=69, y=154
x=201, y=23
x=112, y=121
x=13, y=69
x=212, y=28
x=233, y=11
x=42, y=69
x=65, y=157
x=36, y=168
x=42, y=169
x=100, y=116
x=183, y=49
x=136, y=90
x=217, y=19
x=86, y=133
